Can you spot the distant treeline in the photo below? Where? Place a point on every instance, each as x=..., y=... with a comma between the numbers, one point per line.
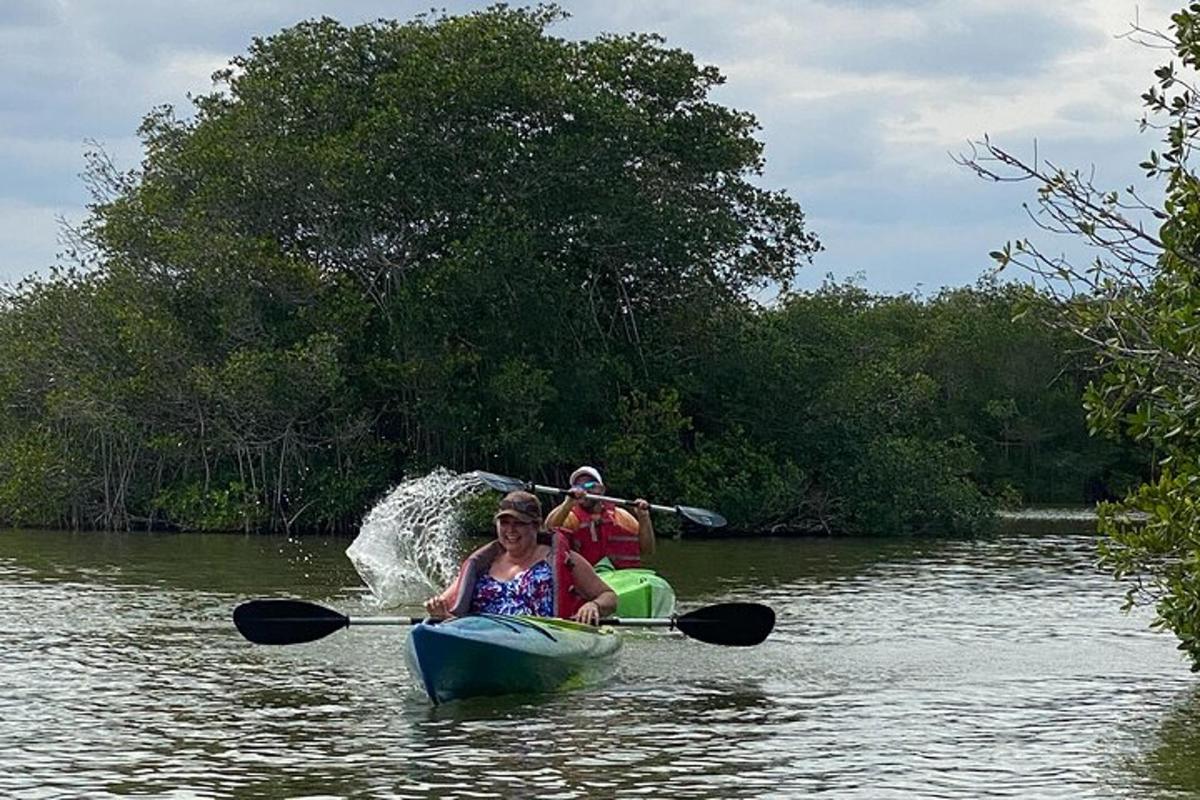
x=462, y=242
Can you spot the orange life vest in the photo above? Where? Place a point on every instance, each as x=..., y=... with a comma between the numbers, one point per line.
x=597, y=535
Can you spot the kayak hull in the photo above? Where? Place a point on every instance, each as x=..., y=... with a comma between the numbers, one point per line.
x=640, y=593
x=487, y=654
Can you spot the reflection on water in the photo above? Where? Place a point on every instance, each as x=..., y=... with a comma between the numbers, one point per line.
x=1172, y=758
x=899, y=668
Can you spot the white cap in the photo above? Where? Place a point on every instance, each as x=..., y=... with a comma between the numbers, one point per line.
x=590, y=471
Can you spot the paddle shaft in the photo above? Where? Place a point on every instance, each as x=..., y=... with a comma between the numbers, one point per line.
x=648, y=622
x=664, y=622
x=384, y=620
x=503, y=483
x=537, y=487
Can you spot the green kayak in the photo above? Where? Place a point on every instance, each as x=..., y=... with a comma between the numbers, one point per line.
x=489, y=654
x=640, y=592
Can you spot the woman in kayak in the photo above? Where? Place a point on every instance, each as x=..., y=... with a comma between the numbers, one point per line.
x=525, y=571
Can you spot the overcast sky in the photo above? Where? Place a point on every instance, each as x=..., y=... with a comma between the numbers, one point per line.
x=861, y=104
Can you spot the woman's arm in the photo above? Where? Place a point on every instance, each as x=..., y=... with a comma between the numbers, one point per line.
x=602, y=600
x=438, y=606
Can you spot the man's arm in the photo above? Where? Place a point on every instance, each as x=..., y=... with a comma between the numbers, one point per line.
x=557, y=517
x=638, y=522
x=641, y=510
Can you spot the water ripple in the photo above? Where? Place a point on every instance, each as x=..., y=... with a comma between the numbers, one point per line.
x=948, y=669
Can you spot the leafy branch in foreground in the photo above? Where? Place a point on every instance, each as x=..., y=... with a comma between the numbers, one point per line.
x=1137, y=307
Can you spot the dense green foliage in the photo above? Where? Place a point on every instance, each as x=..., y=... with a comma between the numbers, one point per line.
x=1136, y=308
x=464, y=242
x=871, y=413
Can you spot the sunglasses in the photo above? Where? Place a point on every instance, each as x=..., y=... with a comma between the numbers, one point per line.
x=587, y=486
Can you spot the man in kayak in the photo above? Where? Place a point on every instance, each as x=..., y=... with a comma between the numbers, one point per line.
x=597, y=529
x=526, y=570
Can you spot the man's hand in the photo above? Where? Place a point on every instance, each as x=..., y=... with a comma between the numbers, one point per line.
x=641, y=509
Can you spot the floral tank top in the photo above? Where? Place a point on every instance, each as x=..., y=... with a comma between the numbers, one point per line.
x=530, y=592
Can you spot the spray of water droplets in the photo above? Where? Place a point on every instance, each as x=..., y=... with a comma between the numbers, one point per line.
x=408, y=542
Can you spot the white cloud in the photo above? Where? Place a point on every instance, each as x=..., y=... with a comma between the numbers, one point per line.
x=861, y=102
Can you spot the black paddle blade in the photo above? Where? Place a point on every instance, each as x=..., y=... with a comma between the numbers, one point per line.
x=702, y=516
x=501, y=483
x=286, y=621
x=730, y=624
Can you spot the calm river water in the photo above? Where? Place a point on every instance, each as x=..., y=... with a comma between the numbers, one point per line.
x=997, y=667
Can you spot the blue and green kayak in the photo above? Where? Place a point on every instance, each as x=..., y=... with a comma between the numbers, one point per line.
x=488, y=654
x=640, y=592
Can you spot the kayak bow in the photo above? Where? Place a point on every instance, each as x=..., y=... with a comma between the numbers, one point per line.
x=488, y=654
x=640, y=592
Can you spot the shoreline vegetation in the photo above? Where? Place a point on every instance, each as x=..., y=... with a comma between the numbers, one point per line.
x=1056, y=519
x=916, y=416
x=376, y=250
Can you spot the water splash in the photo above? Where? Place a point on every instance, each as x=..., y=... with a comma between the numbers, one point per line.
x=408, y=542
x=297, y=555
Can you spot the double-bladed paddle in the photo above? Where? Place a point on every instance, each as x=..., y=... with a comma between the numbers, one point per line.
x=297, y=621
x=502, y=483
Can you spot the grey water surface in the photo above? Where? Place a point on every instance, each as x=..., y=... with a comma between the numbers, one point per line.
x=994, y=667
